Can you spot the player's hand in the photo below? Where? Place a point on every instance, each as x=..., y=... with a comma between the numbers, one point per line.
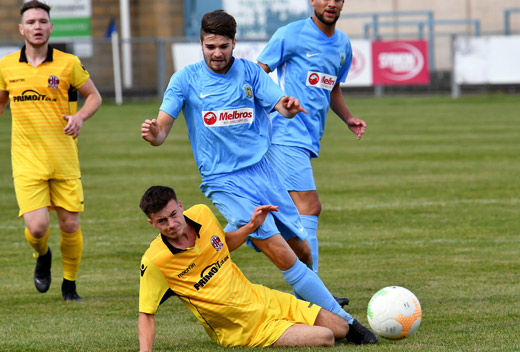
x=357, y=126
x=292, y=105
x=149, y=130
x=260, y=213
x=74, y=124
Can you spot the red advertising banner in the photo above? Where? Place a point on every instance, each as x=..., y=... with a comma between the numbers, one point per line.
x=400, y=62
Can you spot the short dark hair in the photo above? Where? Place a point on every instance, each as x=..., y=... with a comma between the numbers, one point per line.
x=218, y=22
x=156, y=198
x=35, y=4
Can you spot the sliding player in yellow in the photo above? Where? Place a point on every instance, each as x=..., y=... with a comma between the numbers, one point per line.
x=41, y=82
x=190, y=258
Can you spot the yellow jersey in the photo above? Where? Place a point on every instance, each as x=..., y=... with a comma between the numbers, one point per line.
x=232, y=310
x=39, y=96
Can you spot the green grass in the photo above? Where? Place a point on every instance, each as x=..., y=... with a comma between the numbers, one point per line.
x=429, y=199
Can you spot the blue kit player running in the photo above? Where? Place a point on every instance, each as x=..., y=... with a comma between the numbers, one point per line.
x=311, y=58
x=226, y=102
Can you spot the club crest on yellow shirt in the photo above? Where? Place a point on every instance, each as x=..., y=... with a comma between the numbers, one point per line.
x=54, y=82
x=216, y=243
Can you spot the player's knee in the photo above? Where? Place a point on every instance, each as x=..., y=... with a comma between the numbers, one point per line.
x=316, y=208
x=336, y=324
x=339, y=326
x=38, y=229
x=341, y=329
x=69, y=224
x=311, y=205
x=69, y=227
x=327, y=338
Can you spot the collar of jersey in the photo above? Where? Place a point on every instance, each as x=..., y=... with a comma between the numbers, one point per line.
x=50, y=52
x=322, y=35
x=220, y=74
x=176, y=250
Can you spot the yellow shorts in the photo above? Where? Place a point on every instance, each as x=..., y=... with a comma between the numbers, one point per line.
x=283, y=311
x=33, y=194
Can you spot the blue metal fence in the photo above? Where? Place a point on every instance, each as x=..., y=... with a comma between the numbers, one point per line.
x=507, y=19
x=376, y=23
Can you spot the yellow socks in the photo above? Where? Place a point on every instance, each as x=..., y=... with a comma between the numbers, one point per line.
x=40, y=245
x=71, y=246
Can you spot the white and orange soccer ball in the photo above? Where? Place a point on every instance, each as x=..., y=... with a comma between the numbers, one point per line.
x=394, y=312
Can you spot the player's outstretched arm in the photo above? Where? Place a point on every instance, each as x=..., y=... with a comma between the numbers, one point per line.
x=289, y=106
x=155, y=131
x=337, y=104
x=146, y=327
x=92, y=103
x=235, y=239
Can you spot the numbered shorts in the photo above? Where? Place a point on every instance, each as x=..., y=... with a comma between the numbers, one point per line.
x=36, y=193
x=293, y=165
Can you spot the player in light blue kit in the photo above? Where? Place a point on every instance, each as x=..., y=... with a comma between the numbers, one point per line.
x=311, y=58
x=226, y=102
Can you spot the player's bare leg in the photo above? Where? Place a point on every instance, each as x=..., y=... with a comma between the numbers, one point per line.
x=277, y=250
x=68, y=221
x=355, y=332
x=306, y=335
x=334, y=322
x=307, y=202
x=302, y=250
x=37, y=222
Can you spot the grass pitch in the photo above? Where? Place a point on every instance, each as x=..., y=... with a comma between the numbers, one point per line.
x=429, y=199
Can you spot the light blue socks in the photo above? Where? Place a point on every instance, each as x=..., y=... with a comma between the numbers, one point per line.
x=307, y=285
x=310, y=223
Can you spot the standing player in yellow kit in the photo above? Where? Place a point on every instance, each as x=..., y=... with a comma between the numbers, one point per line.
x=41, y=84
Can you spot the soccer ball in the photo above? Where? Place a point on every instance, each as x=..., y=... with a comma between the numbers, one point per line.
x=394, y=313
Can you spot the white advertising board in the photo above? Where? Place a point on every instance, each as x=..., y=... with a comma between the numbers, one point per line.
x=487, y=60
x=185, y=54
x=360, y=74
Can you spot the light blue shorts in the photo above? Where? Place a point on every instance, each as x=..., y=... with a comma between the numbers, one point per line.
x=293, y=165
x=237, y=194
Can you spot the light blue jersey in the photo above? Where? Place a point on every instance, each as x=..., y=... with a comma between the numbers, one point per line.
x=230, y=133
x=226, y=114
x=309, y=65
